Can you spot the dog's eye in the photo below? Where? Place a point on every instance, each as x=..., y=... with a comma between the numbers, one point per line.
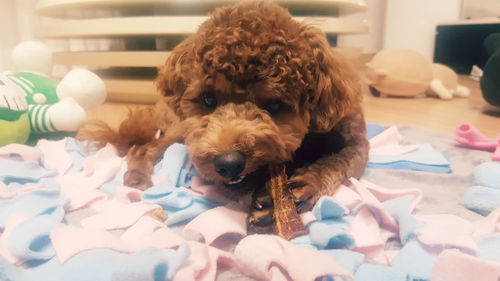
x=274, y=107
x=209, y=100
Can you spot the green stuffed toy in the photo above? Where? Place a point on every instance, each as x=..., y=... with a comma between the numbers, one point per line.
x=14, y=120
x=490, y=81
x=33, y=106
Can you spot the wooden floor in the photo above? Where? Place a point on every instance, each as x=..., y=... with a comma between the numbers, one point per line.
x=431, y=113
x=434, y=113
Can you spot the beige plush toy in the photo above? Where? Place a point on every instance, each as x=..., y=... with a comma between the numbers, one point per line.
x=407, y=73
x=444, y=83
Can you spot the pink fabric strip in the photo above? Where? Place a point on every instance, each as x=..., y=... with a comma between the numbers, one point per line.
x=446, y=231
x=487, y=225
x=260, y=253
x=127, y=194
x=219, y=221
x=70, y=240
x=81, y=190
x=385, y=194
x=54, y=155
x=387, y=143
x=347, y=196
x=103, y=157
x=148, y=232
x=117, y=215
x=307, y=218
x=457, y=266
x=203, y=263
x=367, y=236
x=83, y=187
x=365, y=229
x=197, y=264
x=385, y=219
x=27, y=153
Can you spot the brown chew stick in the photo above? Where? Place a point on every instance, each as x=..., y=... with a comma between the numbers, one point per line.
x=287, y=222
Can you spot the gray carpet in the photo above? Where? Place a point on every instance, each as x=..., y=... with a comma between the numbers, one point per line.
x=442, y=193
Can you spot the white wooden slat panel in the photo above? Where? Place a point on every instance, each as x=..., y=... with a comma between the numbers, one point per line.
x=60, y=8
x=137, y=58
x=112, y=59
x=121, y=26
x=170, y=25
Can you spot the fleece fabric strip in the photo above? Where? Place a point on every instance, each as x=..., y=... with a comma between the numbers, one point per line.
x=387, y=152
x=483, y=196
x=79, y=222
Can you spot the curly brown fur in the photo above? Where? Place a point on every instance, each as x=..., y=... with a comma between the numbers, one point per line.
x=254, y=84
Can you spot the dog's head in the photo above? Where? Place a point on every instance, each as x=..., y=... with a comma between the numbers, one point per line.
x=253, y=82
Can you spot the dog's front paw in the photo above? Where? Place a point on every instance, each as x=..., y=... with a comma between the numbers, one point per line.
x=260, y=218
x=308, y=185
x=137, y=179
x=303, y=192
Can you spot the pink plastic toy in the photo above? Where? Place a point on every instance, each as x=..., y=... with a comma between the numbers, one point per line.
x=496, y=154
x=469, y=136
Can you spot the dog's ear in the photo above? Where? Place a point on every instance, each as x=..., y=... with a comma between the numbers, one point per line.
x=337, y=87
x=172, y=79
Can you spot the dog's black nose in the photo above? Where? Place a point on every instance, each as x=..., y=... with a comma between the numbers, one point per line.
x=230, y=164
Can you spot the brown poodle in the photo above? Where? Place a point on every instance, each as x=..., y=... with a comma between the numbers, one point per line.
x=252, y=87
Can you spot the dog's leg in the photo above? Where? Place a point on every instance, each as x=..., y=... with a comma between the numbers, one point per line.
x=141, y=159
x=325, y=175
x=140, y=166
